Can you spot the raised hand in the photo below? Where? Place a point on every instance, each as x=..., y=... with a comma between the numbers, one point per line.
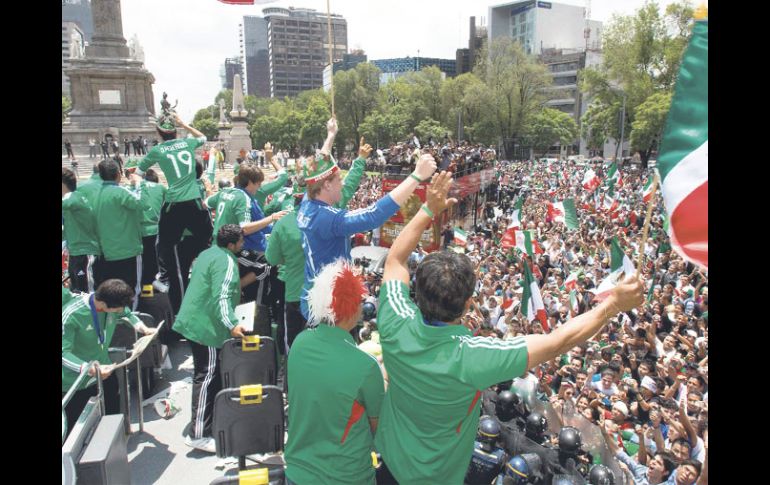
x=437, y=193
x=364, y=149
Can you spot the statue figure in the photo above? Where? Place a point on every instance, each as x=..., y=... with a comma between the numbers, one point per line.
x=222, y=119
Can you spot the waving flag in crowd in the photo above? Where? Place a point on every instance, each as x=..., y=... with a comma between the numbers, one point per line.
x=590, y=180
x=610, y=202
x=619, y=263
x=647, y=190
x=614, y=179
x=526, y=243
x=532, y=305
x=564, y=212
x=683, y=160
x=509, y=238
x=461, y=238
x=572, y=279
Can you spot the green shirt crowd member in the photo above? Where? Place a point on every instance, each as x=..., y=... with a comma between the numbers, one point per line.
x=84, y=338
x=119, y=212
x=79, y=225
x=284, y=249
x=231, y=206
x=207, y=315
x=91, y=187
x=155, y=194
x=336, y=389
x=437, y=370
x=270, y=187
x=177, y=160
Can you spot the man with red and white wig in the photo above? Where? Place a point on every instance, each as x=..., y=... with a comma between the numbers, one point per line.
x=336, y=388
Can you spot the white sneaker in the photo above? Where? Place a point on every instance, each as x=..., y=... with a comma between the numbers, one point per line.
x=206, y=444
x=160, y=286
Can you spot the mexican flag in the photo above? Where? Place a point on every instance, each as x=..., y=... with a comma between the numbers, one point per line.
x=571, y=283
x=509, y=238
x=573, y=302
x=590, y=180
x=614, y=178
x=610, y=203
x=461, y=238
x=526, y=243
x=619, y=263
x=683, y=160
x=564, y=212
x=531, y=301
x=647, y=190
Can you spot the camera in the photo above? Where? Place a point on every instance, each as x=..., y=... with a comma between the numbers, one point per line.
x=362, y=262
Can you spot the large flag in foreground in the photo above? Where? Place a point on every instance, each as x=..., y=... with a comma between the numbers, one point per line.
x=683, y=160
x=532, y=305
x=619, y=263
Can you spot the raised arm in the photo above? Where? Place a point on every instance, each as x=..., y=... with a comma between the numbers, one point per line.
x=331, y=132
x=624, y=297
x=396, y=264
x=353, y=178
x=193, y=131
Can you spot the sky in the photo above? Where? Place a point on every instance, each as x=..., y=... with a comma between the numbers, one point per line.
x=185, y=42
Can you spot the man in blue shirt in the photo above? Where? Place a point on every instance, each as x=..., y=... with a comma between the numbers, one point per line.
x=326, y=230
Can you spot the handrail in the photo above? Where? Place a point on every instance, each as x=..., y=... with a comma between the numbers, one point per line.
x=73, y=389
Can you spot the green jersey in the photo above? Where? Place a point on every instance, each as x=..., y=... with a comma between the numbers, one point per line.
x=270, y=187
x=80, y=342
x=208, y=309
x=282, y=201
x=341, y=387
x=351, y=182
x=177, y=160
x=79, y=225
x=155, y=195
x=90, y=188
x=430, y=413
x=284, y=248
x=232, y=206
x=66, y=296
x=119, y=214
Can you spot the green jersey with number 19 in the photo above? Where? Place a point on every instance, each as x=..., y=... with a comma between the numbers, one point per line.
x=177, y=160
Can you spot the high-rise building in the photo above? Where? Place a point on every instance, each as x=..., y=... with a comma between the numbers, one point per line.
x=70, y=34
x=466, y=58
x=395, y=68
x=298, y=44
x=79, y=12
x=254, y=56
x=285, y=51
x=538, y=26
x=230, y=68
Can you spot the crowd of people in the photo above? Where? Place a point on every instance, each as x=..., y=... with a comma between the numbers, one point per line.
x=452, y=336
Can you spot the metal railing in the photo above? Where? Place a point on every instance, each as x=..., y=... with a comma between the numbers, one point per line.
x=74, y=388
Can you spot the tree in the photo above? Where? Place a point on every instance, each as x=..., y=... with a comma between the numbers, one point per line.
x=642, y=54
x=66, y=106
x=264, y=129
x=600, y=123
x=208, y=127
x=514, y=85
x=549, y=127
x=314, y=119
x=355, y=97
x=648, y=124
x=383, y=128
x=210, y=113
x=456, y=105
x=430, y=128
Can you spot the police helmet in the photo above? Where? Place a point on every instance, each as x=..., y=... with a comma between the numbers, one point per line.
x=536, y=424
x=505, y=407
x=601, y=475
x=569, y=440
x=369, y=311
x=489, y=429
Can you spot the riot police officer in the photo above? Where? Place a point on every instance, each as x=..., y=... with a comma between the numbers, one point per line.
x=488, y=458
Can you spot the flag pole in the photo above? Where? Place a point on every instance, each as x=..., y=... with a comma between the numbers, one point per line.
x=646, y=227
x=331, y=61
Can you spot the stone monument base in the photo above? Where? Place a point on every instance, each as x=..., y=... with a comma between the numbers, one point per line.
x=238, y=138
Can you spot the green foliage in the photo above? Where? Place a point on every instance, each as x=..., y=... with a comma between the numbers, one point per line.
x=355, y=97
x=66, y=106
x=430, y=128
x=650, y=120
x=549, y=127
x=207, y=126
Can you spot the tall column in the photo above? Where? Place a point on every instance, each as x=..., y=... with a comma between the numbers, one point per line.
x=108, y=40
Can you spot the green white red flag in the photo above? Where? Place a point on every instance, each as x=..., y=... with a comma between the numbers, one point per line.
x=614, y=178
x=590, y=180
x=647, y=190
x=620, y=263
x=527, y=243
x=610, y=202
x=683, y=159
x=572, y=279
x=564, y=212
x=509, y=237
x=573, y=303
x=532, y=306
x=461, y=238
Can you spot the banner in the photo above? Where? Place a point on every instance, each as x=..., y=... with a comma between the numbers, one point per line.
x=431, y=237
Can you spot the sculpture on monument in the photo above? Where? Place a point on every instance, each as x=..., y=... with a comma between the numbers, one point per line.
x=239, y=110
x=166, y=120
x=222, y=119
x=238, y=137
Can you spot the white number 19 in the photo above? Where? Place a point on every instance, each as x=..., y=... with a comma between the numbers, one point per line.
x=184, y=158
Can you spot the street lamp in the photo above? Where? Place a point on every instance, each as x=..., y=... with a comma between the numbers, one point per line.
x=616, y=86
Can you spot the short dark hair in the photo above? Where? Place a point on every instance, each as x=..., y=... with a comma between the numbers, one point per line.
x=228, y=234
x=109, y=170
x=249, y=173
x=69, y=179
x=693, y=463
x=669, y=463
x=444, y=281
x=198, y=169
x=682, y=441
x=115, y=293
x=151, y=176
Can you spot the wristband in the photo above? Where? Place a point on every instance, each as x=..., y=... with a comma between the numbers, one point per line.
x=427, y=211
x=416, y=178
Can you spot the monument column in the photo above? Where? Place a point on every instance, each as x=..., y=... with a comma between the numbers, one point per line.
x=108, y=40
